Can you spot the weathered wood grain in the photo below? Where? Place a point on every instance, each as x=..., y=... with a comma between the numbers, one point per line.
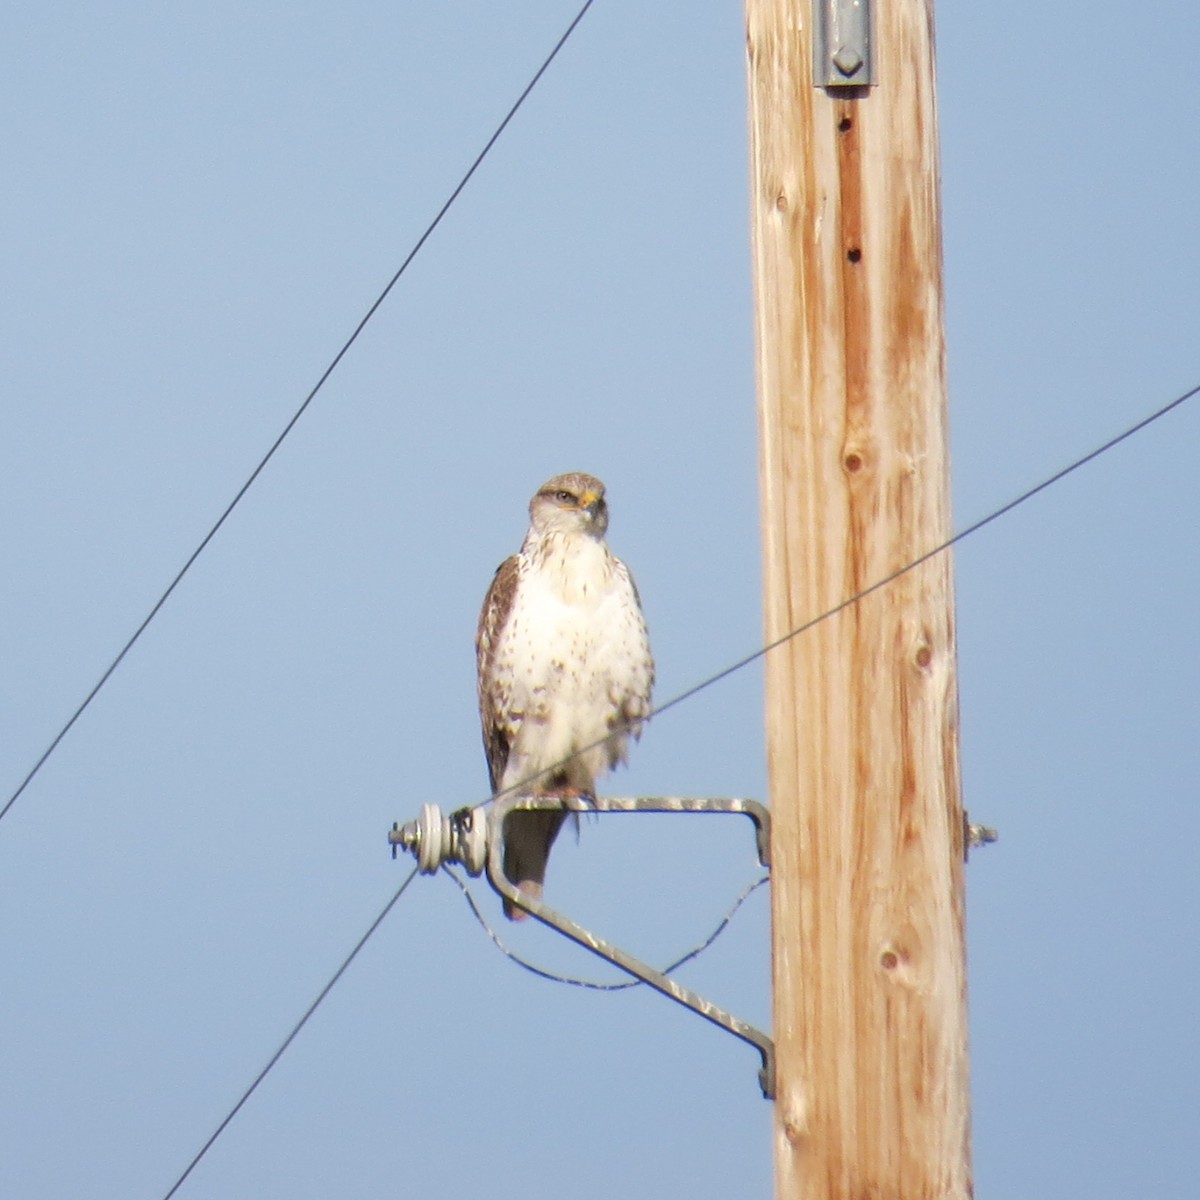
x=870, y=1005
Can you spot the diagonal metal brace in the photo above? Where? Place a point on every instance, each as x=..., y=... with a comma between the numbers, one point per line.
x=613, y=954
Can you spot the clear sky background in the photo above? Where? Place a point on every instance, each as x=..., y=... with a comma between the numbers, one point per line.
x=200, y=202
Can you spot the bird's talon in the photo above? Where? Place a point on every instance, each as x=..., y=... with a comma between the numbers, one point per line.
x=575, y=801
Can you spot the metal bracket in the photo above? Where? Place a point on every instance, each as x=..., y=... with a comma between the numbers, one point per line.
x=975, y=836
x=843, y=51
x=461, y=836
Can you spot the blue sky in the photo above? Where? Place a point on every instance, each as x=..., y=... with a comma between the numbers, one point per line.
x=200, y=204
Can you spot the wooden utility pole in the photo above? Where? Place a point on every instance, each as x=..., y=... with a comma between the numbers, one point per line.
x=869, y=973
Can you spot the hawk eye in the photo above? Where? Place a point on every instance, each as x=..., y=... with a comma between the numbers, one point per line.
x=565, y=497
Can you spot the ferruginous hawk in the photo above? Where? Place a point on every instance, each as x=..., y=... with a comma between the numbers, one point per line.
x=565, y=670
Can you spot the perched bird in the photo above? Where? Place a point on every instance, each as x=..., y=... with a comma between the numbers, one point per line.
x=565, y=670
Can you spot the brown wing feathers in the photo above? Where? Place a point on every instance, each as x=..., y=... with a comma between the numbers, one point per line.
x=496, y=607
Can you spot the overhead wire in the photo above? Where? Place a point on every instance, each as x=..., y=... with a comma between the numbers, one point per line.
x=594, y=985
x=287, y=1041
x=287, y=429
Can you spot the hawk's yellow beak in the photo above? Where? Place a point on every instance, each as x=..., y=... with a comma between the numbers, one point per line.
x=589, y=500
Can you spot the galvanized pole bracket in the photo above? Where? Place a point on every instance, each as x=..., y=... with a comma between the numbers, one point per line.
x=458, y=837
x=975, y=835
x=843, y=52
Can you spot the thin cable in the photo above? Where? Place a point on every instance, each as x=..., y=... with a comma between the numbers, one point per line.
x=312, y=1008
x=208, y=537
x=995, y=515
x=695, y=952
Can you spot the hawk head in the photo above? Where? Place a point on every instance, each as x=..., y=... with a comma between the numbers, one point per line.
x=571, y=503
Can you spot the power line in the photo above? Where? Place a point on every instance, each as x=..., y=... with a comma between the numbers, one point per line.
x=850, y=601
x=287, y=429
x=287, y=1041
x=542, y=973
x=962, y=534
